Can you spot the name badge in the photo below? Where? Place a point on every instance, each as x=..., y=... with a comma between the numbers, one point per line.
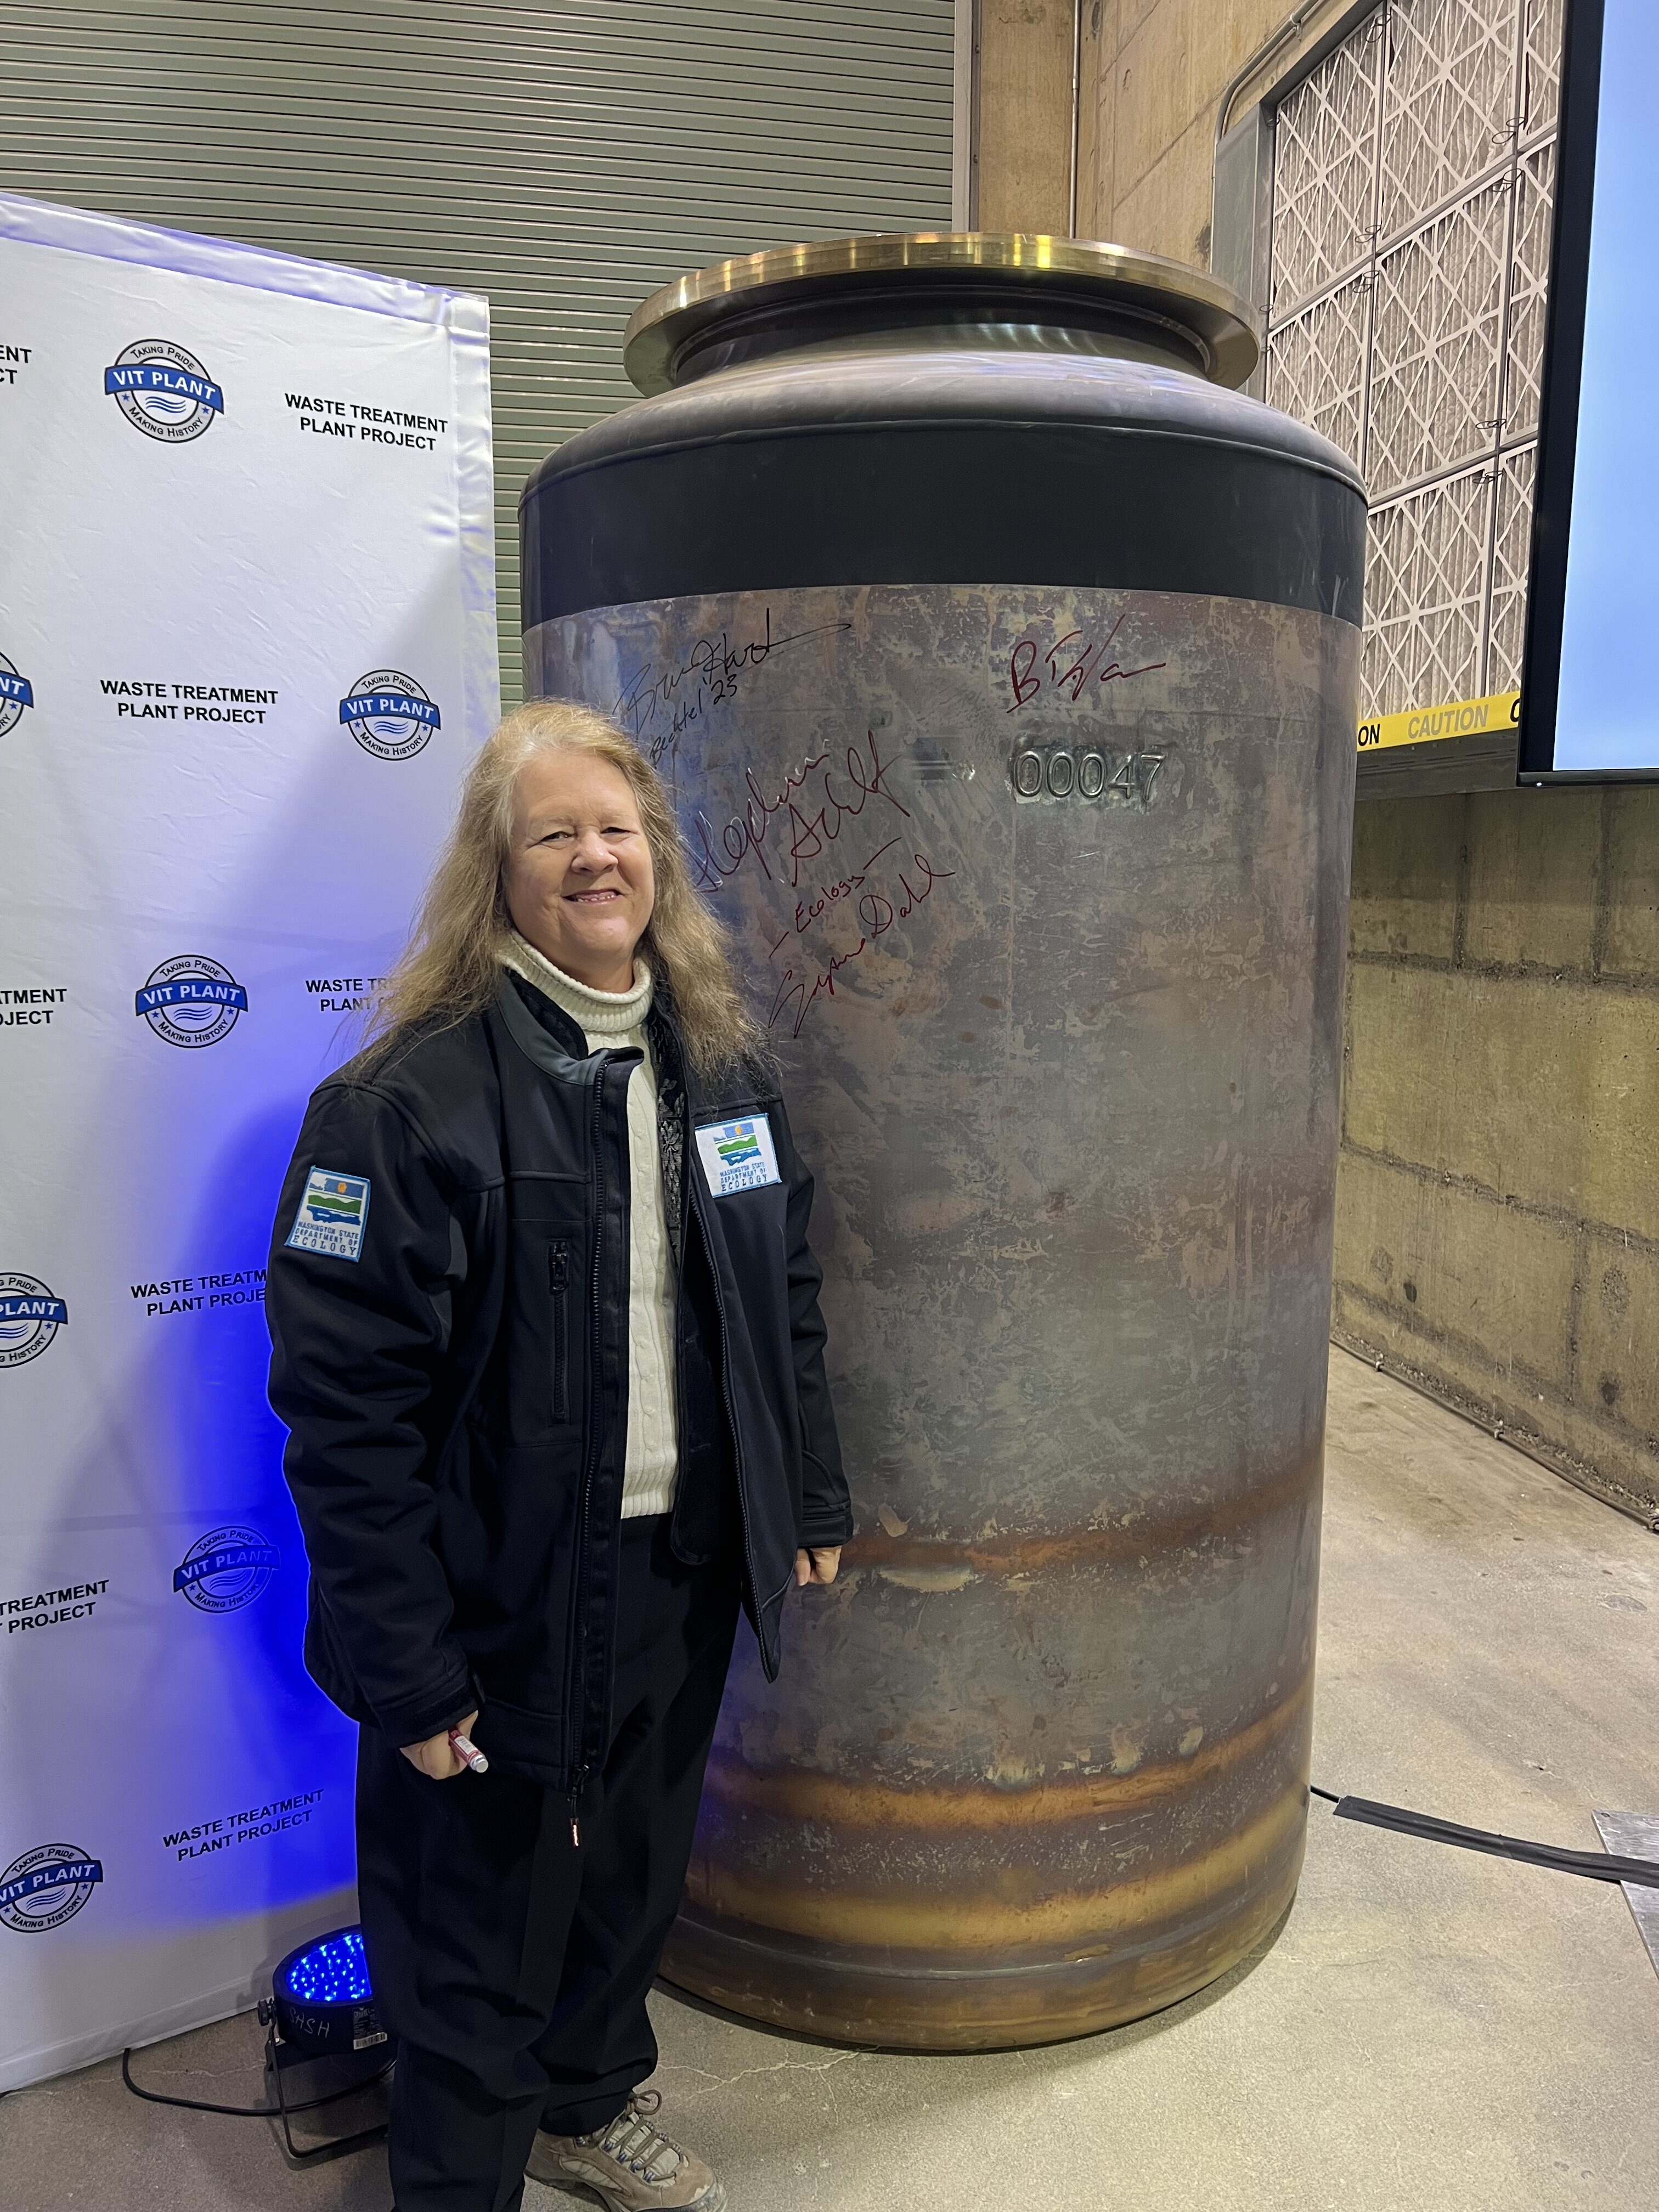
x=333, y=1216
x=737, y=1155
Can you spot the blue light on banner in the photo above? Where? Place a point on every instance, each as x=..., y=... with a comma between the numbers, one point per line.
x=230, y=848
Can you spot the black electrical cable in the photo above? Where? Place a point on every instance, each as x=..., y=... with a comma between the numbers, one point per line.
x=1594, y=1865
x=245, y=2112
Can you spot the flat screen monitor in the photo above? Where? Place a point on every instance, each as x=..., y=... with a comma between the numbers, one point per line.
x=1591, y=703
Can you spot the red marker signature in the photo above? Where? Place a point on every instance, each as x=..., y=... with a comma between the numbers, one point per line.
x=798, y=820
x=1027, y=677
x=799, y=991
x=814, y=907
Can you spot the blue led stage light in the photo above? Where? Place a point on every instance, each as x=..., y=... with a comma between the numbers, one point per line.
x=321, y=2007
x=334, y=1970
x=322, y=2000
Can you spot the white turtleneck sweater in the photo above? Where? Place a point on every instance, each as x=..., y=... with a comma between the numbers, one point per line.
x=613, y=1021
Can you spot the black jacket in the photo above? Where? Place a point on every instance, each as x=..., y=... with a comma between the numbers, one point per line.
x=457, y=1392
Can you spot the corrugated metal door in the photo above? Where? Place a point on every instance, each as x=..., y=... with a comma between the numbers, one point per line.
x=565, y=160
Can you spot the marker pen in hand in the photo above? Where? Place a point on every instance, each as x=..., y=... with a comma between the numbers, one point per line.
x=464, y=1748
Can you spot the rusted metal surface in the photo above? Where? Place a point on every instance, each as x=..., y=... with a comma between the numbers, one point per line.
x=1045, y=896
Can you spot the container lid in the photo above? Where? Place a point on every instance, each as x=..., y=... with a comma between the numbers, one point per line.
x=1210, y=321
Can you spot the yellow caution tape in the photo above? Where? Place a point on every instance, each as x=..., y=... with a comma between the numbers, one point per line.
x=1462, y=718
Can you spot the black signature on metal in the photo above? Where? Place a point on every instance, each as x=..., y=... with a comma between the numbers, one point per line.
x=660, y=704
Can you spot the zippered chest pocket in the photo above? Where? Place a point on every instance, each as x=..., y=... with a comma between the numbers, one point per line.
x=561, y=1262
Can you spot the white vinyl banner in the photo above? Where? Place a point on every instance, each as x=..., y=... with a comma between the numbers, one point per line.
x=247, y=646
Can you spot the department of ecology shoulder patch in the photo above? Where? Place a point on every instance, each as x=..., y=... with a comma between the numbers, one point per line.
x=737, y=1155
x=333, y=1213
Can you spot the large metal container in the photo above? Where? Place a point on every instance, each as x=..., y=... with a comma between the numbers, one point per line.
x=1004, y=663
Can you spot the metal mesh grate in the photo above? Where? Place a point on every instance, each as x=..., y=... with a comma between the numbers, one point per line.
x=1511, y=554
x=1316, y=365
x=1424, y=579
x=1530, y=279
x=1412, y=173
x=1448, y=96
x=1324, y=164
x=1541, y=88
x=1434, y=374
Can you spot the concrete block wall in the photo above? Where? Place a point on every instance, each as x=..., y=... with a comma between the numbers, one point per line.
x=1153, y=72
x=1150, y=76
x=1498, y=1191
x=1024, y=125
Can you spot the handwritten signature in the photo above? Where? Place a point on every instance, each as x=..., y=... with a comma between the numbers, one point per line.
x=798, y=994
x=811, y=909
x=1025, y=681
x=798, y=820
x=660, y=706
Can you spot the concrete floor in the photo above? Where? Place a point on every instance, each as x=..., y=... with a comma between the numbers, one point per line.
x=1430, y=2029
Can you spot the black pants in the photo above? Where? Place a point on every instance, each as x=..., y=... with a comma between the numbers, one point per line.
x=510, y=1966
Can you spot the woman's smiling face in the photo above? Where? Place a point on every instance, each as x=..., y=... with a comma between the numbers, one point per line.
x=579, y=881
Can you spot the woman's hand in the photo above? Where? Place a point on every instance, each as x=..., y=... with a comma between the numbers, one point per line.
x=436, y=1757
x=820, y=1564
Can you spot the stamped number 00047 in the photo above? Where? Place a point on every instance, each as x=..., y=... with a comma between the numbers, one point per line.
x=1097, y=773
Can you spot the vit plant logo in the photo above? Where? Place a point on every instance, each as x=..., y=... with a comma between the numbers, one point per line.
x=163, y=391
x=226, y=1569
x=389, y=714
x=30, y=1316
x=16, y=692
x=46, y=1886
x=191, y=1001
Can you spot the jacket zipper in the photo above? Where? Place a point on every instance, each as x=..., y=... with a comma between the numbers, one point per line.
x=558, y=1282
x=577, y=1706
x=687, y=1202
x=577, y=1701
x=726, y=1399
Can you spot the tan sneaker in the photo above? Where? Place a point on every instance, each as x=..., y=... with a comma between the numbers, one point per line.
x=631, y=2167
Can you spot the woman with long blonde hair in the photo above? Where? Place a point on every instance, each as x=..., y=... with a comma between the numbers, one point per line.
x=547, y=1344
